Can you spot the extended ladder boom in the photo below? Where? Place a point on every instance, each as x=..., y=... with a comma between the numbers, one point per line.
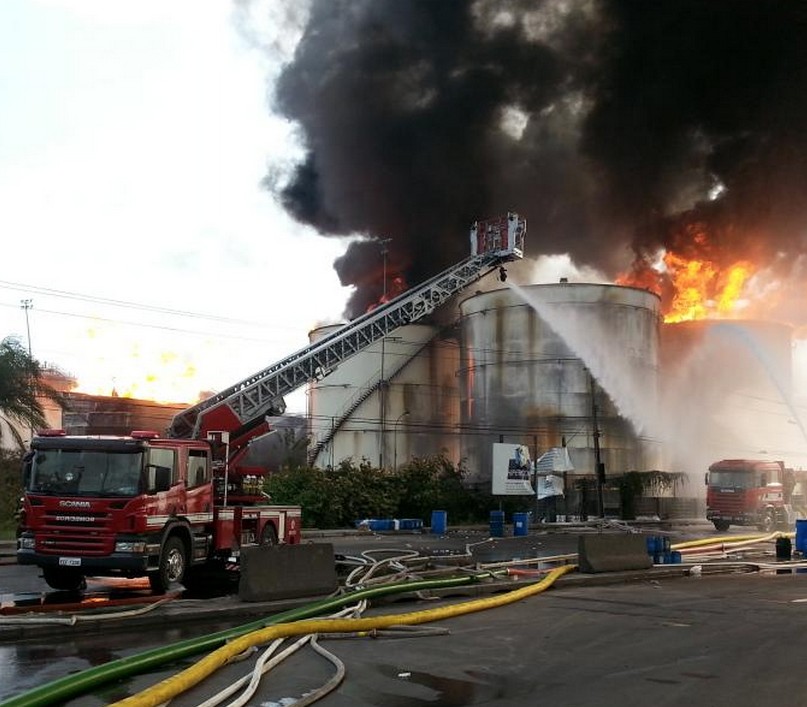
x=492, y=242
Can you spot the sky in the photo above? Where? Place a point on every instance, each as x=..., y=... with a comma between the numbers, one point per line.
x=133, y=140
x=136, y=138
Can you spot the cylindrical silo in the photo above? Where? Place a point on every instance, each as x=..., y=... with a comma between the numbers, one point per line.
x=394, y=400
x=545, y=365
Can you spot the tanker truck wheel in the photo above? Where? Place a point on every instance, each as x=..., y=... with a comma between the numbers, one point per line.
x=767, y=523
x=721, y=525
x=65, y=580
x=172, y=566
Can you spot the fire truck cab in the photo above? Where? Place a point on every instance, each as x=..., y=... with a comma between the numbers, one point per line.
x=746, y=492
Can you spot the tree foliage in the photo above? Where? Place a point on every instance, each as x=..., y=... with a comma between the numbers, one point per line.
x=633, y=484
x=22, y=386
x=10, y=488
x=337, y=497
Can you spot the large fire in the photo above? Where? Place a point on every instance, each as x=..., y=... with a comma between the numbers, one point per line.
x=133, y=370
x=692, y=288
x=395, y=286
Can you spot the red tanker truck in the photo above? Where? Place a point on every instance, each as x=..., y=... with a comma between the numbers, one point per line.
x=751, y=492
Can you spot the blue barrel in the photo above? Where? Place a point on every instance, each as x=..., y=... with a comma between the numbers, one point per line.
x=801, y=536
x=521, y=524
x=652, y=545
x=497, y=524
x=439, y=522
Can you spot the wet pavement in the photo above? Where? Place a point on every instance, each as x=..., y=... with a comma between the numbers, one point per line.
x=694, y=640
x=664, y=635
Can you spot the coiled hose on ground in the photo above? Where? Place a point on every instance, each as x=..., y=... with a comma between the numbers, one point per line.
x=59, y=691
x=81, y=683
x=179, y=683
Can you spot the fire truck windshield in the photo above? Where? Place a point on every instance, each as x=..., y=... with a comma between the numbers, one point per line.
x=86, y=473
x=738, y=479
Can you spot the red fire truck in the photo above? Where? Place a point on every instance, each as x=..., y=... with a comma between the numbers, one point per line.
x=748, y=492
x=166, y=507
x=141, y=505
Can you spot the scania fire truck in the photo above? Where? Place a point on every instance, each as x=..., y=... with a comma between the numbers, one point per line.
x=749, y=492
x=169, y=506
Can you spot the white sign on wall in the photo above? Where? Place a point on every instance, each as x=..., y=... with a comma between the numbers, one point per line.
x=512, y=470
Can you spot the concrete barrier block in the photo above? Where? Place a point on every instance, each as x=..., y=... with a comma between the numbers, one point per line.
x=612, y=553
x=287, y=571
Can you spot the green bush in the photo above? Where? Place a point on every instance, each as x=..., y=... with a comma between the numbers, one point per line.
x=10, y=489
x=336, y=498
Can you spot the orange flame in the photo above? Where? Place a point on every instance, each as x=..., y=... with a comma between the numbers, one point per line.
x=698, y=287
x=133, y=370
x=702, y=290
x=395, y=286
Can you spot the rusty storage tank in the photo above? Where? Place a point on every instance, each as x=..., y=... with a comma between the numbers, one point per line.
x=546, y=364
x=728, y=386
x=394, y=400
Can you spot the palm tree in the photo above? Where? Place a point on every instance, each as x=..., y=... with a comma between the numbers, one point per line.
x=22, y=386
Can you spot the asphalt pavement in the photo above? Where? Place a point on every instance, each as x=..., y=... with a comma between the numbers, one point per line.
x=666, y=635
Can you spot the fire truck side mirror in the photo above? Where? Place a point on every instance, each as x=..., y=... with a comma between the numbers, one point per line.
x=158, y=478
x=706, y=478
x=27, y=465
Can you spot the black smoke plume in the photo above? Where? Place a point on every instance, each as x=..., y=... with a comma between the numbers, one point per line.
x=614, y=126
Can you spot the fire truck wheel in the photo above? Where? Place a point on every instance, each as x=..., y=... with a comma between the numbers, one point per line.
x=721, y=525
x=65, y=580
x=172, y=566
x=268, y=535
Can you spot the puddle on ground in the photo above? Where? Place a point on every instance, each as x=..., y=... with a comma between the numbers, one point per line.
x=476, y=688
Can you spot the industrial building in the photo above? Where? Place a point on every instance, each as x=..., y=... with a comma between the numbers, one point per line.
x=589, y=367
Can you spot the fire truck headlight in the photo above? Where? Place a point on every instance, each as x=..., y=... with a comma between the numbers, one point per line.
x=26, y=543
x=130, y=546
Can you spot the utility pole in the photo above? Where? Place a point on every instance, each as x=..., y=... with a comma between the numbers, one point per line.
x=27, y=304
x=382, y=383
x=404, y=414
x=600, y=467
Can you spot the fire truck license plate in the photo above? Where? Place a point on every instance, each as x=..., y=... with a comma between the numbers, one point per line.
x=70, y=561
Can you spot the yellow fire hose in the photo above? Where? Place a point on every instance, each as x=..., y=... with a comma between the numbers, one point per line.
x=729, y=541
x=184, y=680
x=760, y=537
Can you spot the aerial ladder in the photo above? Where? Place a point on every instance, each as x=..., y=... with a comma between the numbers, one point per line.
x=242, y=408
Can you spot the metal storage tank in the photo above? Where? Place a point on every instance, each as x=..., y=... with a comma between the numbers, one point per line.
x=727, y=385
x=394, y=400
x=542, y=363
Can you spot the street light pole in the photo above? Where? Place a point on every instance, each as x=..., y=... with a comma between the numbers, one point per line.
x=405, y=413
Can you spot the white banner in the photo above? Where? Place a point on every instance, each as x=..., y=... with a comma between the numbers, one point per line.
x=512, y=469
x=549, y=468
x=549, y=485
